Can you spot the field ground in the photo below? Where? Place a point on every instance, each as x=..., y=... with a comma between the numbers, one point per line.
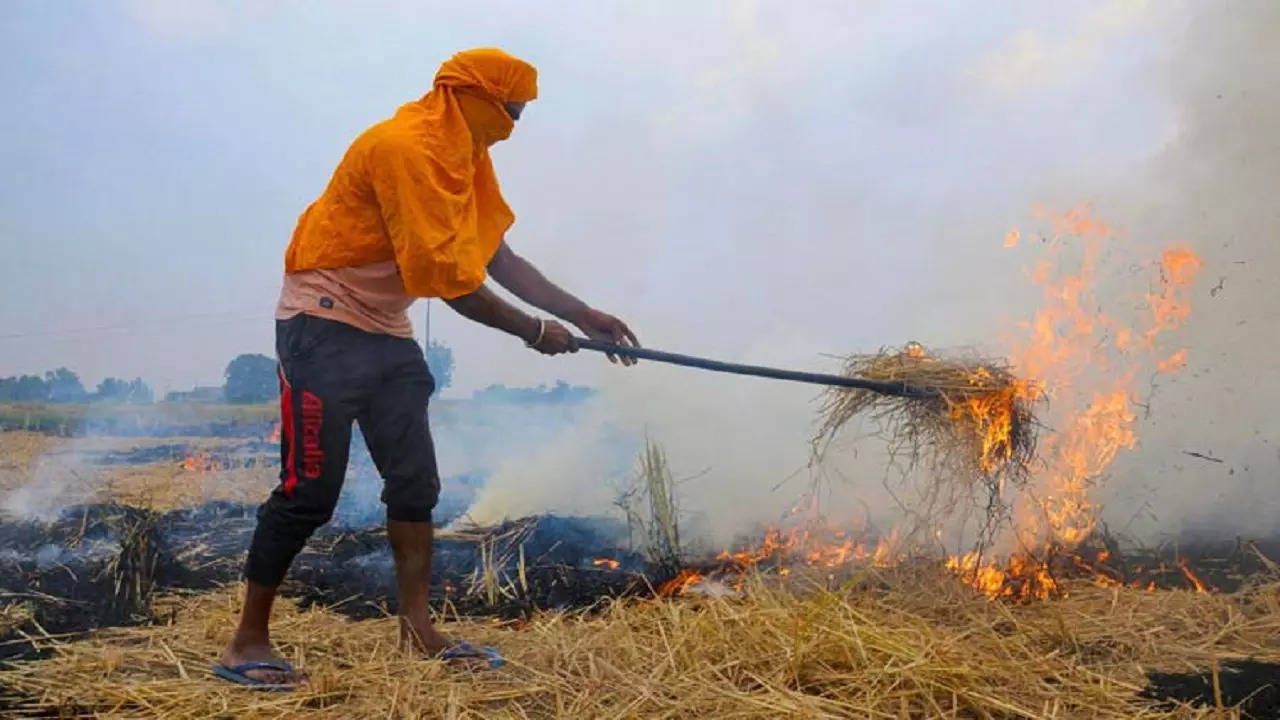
x=162, y=484
x=921, y=646
x=132, y=419
x=162, y=418
x=905, y=642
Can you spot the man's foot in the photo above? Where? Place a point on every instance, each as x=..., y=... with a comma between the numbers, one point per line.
x=238, y=653
x=426, y=640
x=423, y=637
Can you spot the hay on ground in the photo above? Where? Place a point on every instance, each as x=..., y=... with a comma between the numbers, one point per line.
x=920, y=645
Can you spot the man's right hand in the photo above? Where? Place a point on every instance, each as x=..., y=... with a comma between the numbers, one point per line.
x=486, y=307
x=556, y=339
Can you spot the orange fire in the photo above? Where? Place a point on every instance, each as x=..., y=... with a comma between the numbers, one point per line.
x=194, y=462
x=990, y=415
x=1191, y=576
x=200, y=462
x=606, y=563
x=680, y=583
x=1173, y=363
x=1022, y=579
x=810, y=545
x=1088, y=364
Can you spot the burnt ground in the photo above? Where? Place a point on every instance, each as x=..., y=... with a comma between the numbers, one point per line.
x=1253, y=687
x=99, y=565
x=248, y=453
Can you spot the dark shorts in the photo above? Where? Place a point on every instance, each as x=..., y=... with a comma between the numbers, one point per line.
x=331, y=375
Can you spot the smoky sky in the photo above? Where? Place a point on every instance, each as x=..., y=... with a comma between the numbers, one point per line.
x=728, y=176
x=760, y=181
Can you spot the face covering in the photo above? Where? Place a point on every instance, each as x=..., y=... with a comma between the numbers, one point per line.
x=487, y=119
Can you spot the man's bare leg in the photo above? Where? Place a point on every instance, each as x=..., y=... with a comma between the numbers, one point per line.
x=252, y=641
x=411, y=545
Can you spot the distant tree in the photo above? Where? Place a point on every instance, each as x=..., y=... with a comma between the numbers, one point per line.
x=111, y=390
x=198, y=394
x=64, y=386
x=440, y=363
x=24, y=388
x=562, y=393
x=250, y=378
x=140, y=393
x=32, y=389
x=118, y=390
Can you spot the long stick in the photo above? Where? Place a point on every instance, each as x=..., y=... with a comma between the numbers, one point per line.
x=900, y=389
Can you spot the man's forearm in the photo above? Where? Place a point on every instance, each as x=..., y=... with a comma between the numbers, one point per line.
x=527, y=283
x=487, y=308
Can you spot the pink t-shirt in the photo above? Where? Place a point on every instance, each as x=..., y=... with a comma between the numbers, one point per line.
x=369, y=297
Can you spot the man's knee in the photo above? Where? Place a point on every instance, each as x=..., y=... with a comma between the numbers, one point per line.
x=293, y=518
x=411, y=499
x=283, y=529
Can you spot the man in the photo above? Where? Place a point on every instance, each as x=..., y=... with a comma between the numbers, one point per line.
x=413, y=210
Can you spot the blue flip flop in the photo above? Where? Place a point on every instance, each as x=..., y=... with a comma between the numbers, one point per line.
x=236, y=674
x=467, y=651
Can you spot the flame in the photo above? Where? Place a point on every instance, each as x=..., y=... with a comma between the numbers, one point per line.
x=1191, y=576
x=990, y=414
x=1086, y=362
x=1180, y=266
x=274, y=435
x=811, y=545
x=195, y=462
x=1169, y=307
x=1090, y=365
x=200, y=462
x=680, y=583
x=606, y=562
x=1173, y=363
x=1022, y=579
x=886, y=554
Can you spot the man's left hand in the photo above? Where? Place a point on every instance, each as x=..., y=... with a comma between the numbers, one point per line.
x=599, y=325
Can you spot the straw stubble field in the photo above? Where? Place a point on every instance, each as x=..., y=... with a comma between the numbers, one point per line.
x=64, y=466
x=910, y=641
x=918, y=646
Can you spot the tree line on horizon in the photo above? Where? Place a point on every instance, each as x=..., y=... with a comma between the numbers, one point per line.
x=64, y=386
x=250, y=378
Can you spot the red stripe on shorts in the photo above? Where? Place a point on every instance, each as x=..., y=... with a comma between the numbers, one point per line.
x=286, y=433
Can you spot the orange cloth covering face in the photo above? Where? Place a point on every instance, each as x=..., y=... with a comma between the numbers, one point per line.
x=419, y=187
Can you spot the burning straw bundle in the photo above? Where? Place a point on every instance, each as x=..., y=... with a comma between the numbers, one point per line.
x=972, y=425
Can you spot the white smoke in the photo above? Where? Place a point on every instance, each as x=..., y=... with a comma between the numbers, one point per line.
x=1206, y=176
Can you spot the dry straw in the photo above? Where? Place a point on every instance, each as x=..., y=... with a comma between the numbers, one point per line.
x=973, y=433
x=908, y=642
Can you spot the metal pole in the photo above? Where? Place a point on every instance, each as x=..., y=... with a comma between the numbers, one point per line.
x=426, y=335
x=900, y=389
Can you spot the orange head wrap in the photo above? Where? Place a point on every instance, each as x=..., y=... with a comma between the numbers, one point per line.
x=504, y=77
x=481, y=81
x=435, y=207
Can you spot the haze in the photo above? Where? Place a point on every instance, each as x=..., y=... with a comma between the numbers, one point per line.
x=758, y=181
x=725, y=176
